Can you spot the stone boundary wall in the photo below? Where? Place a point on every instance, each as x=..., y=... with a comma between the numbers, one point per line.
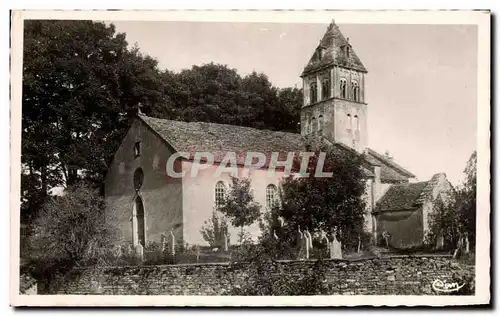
x=397, y=275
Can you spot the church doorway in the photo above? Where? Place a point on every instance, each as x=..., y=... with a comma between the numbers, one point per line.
x=139, y=229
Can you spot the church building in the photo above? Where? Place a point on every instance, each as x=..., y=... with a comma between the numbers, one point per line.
x=148, y=203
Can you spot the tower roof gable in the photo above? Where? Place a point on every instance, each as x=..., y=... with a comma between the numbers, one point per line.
x=330, y=51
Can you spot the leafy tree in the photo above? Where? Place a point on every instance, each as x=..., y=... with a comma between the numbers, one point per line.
x=287, y=114
x=71, y=230
x=239, y=205
x=467, y=198
x=215, y=230
x=444, y=223
x=218, y=94
x=326, y=203
x=455, y=220
x=81, y=86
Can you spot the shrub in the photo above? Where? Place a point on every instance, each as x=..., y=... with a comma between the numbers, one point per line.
x=71, y=230
x=215, y=230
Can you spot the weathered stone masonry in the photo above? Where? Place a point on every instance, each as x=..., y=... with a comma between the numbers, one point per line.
x=403, y=275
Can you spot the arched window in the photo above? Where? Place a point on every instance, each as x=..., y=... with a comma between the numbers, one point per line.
x=347, y=51
x=325, y=89
x=355, y=90
x=313, y=93
x=220, y=193
x=349, y=118
x=343, y=88
x=313, y=124
x=272, y=198
x=320, y=123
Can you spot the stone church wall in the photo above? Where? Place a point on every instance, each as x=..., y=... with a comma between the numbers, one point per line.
x=161, y=195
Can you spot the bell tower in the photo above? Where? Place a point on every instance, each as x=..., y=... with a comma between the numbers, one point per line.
x=334, y=105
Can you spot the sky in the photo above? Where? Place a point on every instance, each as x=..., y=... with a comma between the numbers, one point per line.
x=421, y=86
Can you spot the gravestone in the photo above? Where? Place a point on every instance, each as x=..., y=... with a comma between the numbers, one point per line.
x=163, y=242
x=139, y=251
x=335, y=249
x=172, y=243
x=301, y=243
x=226, y=248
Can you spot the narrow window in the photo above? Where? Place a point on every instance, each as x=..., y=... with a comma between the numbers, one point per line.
x=137, y=149
x=309, y=125
x=347, y=52
x=325, y=89
x=220, y=193
x=356, y=122
x=272, y=198
x=350, y=121
x=343, y=88
x=320, y=123
x=355, y=91
x=313, y=123
x=313, y=93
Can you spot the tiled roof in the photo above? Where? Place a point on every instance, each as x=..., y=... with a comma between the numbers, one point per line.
x=409, y=195
x=332, y=45
x=401, y=197
x=390, y=170
x=219, y=139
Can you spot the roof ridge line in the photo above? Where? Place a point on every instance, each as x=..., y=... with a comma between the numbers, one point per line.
x=163, y=137
x=391, y=163
x=221, y=124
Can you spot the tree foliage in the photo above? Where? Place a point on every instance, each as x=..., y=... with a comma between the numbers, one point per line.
x=455, y=220
x=328, y=204
x=239, y=205
x=81, y=86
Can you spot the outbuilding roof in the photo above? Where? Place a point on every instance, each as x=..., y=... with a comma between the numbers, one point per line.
x=407, y=196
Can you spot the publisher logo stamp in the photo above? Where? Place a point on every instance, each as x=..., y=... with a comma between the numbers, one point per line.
x=443, y=286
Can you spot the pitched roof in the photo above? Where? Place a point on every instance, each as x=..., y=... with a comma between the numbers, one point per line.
x=389, y=170
x=427, y=191
x=401, y=197
x=408, y=196
x=331, y=46
x=219, y=139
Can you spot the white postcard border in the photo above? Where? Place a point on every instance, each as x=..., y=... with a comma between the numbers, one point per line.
x=479, y=18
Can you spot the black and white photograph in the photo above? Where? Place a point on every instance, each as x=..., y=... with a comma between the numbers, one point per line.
x=223, y=158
